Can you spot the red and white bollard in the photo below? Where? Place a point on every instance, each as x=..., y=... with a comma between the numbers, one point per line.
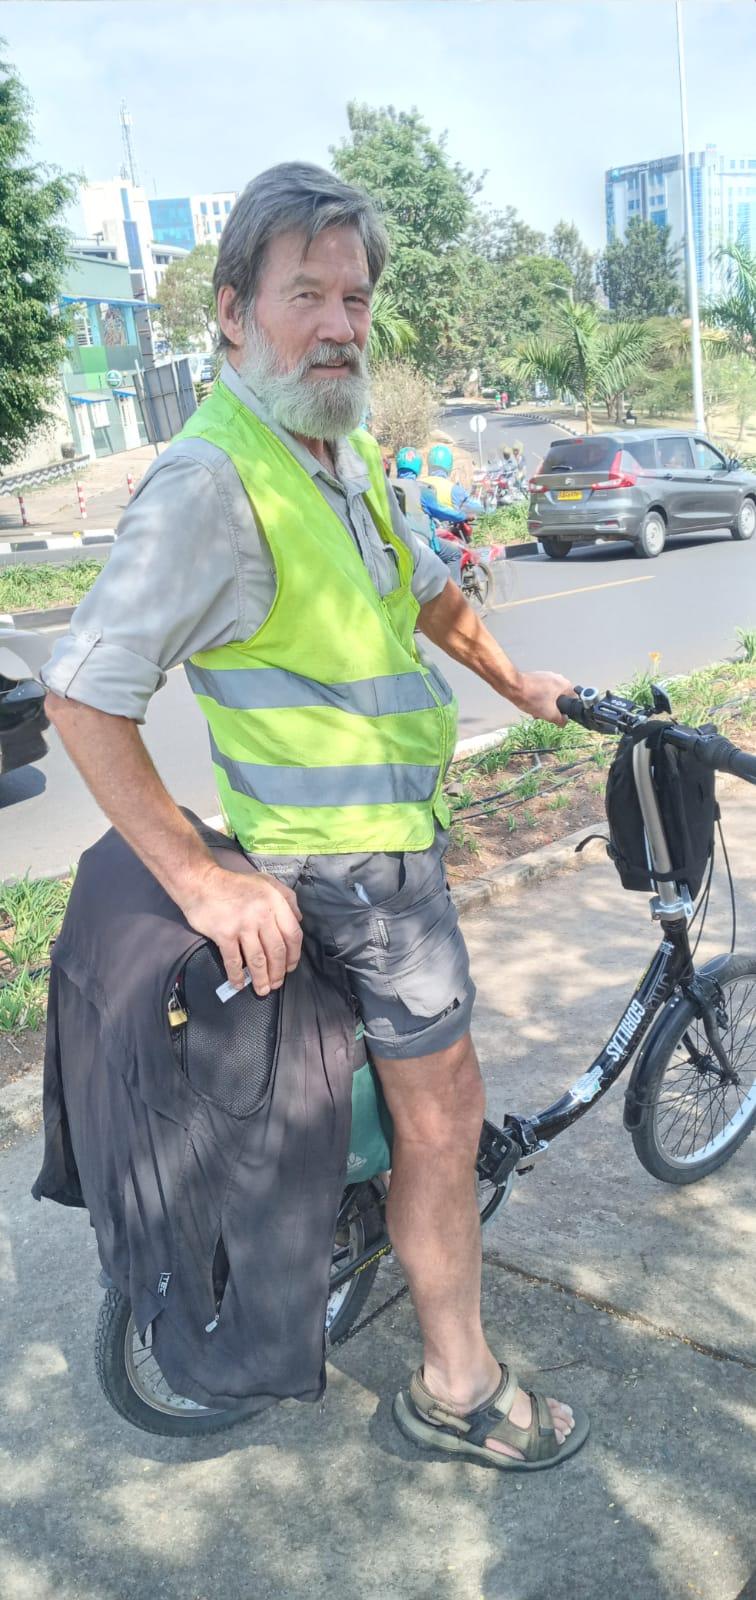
x=82, y=502
x=22, y=509
x=130, y=483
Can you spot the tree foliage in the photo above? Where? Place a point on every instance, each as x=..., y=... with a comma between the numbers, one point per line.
x=566, y=245
x=33, y=244
x=503, y=236
x=591, y=359
x=426, y=202
x=403, y=406
x=186, y=300
x=735, y=311
x=390, y=333
x=639, y=274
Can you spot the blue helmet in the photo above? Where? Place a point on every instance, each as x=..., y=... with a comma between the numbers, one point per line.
x=440, y=458
x=409, y=463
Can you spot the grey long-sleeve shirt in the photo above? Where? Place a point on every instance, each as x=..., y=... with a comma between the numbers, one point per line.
x=191, y=570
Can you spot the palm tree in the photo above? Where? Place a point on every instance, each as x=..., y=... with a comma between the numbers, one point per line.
x=591, y=359
x=736, y=310
x=391, y=335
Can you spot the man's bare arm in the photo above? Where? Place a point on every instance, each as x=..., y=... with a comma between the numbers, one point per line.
x=453, y=625
x=254, y=921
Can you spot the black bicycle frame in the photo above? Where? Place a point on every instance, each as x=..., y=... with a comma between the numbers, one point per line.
x=512, y=1147
x=503, y=1149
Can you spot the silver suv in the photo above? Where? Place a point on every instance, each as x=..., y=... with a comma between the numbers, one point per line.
x=640, y=485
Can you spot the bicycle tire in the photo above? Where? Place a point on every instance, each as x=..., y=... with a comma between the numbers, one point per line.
x=116, y=1336
x=477, y=586
x=661, y=1101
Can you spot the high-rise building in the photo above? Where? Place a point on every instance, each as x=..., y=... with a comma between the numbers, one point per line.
x=118, y=223
x=723, y=196
x=191, y=219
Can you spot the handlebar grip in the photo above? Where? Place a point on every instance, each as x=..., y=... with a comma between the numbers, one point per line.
x=714, y=751
x=572, y=706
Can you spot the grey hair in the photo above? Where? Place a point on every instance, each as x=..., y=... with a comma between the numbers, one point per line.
x=293, y=196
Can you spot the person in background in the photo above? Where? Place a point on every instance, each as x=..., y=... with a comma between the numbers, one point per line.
x=446, y=493
x=422, y=510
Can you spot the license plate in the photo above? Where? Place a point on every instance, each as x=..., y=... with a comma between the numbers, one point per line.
x=569, y=494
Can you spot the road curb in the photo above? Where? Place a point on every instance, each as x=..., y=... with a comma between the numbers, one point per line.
x=535, y=866
x=52, y=618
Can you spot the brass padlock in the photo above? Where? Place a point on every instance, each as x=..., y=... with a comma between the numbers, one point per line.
x=177, y=1016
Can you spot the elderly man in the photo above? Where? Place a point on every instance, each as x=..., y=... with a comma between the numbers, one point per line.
x=265, y=551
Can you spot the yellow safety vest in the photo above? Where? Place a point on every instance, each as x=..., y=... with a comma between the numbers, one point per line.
x=328, y=734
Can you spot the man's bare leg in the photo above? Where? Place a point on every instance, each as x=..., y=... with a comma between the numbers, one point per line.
x=437, y=1105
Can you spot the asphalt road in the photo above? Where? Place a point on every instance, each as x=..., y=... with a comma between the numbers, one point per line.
x=596, y=617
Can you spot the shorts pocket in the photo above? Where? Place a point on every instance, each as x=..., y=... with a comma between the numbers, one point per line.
x=426, y=962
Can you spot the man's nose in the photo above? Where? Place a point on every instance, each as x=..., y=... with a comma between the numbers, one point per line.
x=334, y=323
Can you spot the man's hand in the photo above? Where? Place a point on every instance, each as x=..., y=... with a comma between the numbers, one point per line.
x=255, y=922
x=451, y=623
x=537, y=694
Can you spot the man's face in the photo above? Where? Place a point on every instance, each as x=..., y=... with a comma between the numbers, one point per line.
x=303, y=342
x=323, y=298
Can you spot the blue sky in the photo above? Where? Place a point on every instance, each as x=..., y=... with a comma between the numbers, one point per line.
x=543, y=94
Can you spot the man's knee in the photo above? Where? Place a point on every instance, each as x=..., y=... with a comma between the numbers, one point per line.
x=437, y=1100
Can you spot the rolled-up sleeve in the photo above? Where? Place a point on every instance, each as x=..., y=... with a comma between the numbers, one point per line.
x=169, y=588
x=430, y=575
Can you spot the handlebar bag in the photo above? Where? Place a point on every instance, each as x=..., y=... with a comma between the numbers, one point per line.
x=687, y=802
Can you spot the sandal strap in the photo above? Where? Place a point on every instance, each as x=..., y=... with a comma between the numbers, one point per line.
x=537, y=1442
x=491, y=1420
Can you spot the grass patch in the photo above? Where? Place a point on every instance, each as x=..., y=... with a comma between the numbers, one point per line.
x=36, y=588
x=30, y=918
x=508, y=525
x=724, y=694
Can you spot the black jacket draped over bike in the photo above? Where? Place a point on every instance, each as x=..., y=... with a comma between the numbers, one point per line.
x=217, y=1223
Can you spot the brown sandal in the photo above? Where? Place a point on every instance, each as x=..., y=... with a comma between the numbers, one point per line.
x=432, y=1425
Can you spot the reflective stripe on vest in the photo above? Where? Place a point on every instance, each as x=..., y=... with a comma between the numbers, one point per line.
x=328, y=734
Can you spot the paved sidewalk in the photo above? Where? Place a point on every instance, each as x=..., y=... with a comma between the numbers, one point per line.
x=626, y=1296
x=55, y=508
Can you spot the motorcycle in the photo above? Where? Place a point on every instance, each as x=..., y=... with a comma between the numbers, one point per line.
x=476, y=576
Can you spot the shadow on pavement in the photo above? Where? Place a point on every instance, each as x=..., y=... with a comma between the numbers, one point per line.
x=295, y=1505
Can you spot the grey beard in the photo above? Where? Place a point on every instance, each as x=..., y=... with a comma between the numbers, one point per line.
x=324, y=408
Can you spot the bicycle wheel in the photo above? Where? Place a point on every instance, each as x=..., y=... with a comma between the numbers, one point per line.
x=477, y=586
x=690, y=1121
x=130, y=1376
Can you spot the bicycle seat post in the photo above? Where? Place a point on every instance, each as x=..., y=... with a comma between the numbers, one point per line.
x=671, y=904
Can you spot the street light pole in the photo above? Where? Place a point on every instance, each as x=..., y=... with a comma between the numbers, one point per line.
x=695, y=326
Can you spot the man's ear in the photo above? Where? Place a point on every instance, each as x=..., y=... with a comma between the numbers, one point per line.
x=230, y=320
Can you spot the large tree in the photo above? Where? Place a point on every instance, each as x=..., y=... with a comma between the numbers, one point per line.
x=588, y=358
x=503, y=236
x=33, y=244
x=566, y=245
x=426, y=201
x=186, y=300
x=639, y=274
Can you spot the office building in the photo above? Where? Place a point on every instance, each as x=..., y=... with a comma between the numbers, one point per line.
x=191, y=219
x=119, y=226
x=723, y=197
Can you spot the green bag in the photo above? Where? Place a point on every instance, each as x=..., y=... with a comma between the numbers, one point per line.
x=372, y=1130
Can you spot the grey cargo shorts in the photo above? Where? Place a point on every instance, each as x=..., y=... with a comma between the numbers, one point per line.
x=390, y=921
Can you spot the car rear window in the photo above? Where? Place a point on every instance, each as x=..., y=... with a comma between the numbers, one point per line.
x=581, y=455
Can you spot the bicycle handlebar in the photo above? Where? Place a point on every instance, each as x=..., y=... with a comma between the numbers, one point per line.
x=610, y=713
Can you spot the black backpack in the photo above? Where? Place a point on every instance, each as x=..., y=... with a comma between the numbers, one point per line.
x=685, y=791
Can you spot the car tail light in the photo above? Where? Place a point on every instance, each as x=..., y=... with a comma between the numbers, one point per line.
x=616, y=477
x=536, y=488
